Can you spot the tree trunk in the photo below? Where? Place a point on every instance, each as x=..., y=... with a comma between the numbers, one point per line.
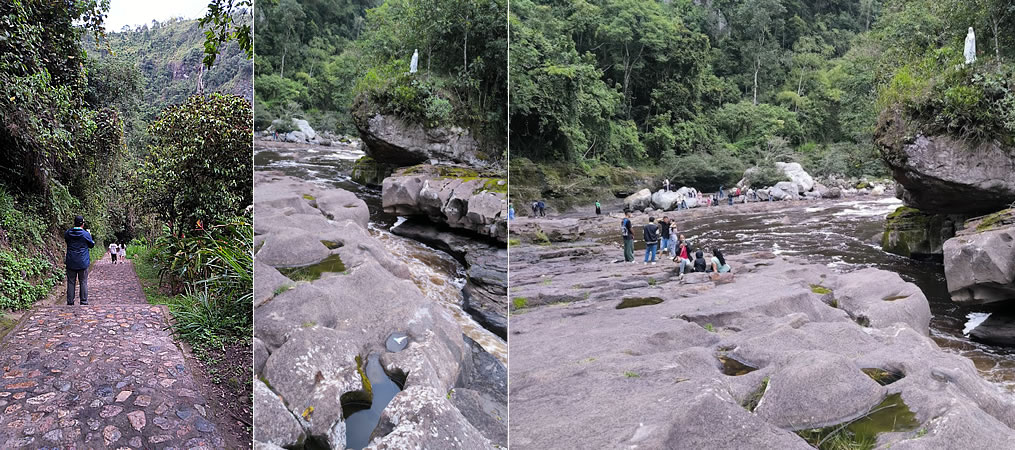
x=757, y=68
x=282, y=72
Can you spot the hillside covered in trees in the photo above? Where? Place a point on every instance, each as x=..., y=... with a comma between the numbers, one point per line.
x=314, y=57
x=700, y=90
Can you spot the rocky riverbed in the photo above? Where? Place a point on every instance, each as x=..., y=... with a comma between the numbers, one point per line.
x=333, y=288
x=811, y=331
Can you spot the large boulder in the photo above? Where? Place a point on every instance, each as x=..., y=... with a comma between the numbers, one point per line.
x=980, y=260
x=665, y=200
x=915, y=234
x=465, y=201
x=638, y=201
x=394, y=140
x=784, y=190
x=305, y=128
x=797, y=175
x=941, y=173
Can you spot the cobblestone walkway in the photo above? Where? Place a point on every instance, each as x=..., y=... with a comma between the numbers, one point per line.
x=106, y=375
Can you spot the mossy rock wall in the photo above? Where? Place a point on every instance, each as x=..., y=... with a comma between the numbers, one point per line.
x=367, y=171
x=915, y=234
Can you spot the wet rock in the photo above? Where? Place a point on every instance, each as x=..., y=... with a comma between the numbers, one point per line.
x=424, y=417
x=940, y=173
x=918, y=235
x=998, y=329
x=878, y=298
x=980, y=260
x=638, y=201
x=472, y=203
x=392, y=140
x=481, y=393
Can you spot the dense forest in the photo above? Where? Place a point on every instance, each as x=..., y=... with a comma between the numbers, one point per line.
x=116, y=128
x=700, y=90
x=315, y=57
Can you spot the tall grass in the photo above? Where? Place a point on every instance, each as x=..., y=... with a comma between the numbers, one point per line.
x=205, y=278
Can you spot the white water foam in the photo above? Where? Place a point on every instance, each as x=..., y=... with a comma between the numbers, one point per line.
x=975, y=319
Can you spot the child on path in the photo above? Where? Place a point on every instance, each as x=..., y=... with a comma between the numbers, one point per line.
x=123, y=253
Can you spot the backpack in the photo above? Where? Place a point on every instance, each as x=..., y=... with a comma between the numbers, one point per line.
x=623, y=227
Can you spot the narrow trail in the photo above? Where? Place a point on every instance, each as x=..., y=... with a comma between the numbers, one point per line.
x=105, y=375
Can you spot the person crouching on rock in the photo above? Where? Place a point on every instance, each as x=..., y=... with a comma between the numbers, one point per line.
x=683, y=258
x=627, y=232
x=79, y=240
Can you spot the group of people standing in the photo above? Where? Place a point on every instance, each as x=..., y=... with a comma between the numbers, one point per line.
x=664, y=235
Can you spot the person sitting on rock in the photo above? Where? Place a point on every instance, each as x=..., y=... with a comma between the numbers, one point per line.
x=718, y=262
x=700, y=265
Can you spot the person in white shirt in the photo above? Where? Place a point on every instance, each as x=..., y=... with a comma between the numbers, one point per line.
x=123, y=253
x=113, y=251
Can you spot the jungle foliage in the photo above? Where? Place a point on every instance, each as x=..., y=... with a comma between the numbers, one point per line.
x=687, y=88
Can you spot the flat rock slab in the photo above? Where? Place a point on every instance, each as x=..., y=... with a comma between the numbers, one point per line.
x=107, y=375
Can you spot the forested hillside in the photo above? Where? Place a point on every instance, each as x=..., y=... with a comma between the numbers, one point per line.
x=161, y=64
x=700, y=90
x=314, y=57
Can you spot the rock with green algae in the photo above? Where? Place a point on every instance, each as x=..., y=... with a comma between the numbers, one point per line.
x=915, y=234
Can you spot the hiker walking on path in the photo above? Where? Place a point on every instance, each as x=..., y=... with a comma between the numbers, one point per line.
x=123, y=253
x=114, y=250
x=651, y=232
x=599, y=208
x=628, y=234
x=79, y=240
x=542, y=208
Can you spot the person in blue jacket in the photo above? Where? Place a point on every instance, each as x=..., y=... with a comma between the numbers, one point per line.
x=79, y=240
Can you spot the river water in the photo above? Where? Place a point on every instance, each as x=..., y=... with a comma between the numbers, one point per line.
x=845, y=235
x=438, y=276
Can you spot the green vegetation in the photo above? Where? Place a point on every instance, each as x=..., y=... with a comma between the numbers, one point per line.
x=699, y=91
x=519, y=302
x=708, y=327
x=999, y=218
x=631, y=374
x=541, y=238
x=514, y=242
x=333, y=64
x=820, y=290
x=891, y=415
x=751, y=402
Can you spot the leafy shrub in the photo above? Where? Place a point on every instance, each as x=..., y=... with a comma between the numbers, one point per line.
x=24, y=280
x=766, y=175
x=706, y=171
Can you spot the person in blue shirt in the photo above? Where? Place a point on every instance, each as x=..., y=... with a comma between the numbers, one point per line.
x=627, y=232
x=79, y=240
x=511, y=212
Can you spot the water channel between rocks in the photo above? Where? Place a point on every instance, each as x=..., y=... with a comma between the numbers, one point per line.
x=845, y=235
x=438, y=275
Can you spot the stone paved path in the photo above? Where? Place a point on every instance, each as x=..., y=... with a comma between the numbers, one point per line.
x=106, y=375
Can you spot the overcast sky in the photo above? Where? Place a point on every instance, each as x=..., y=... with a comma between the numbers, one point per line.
x=135, y=12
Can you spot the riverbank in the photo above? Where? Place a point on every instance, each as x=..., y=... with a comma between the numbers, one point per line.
x=756, y=360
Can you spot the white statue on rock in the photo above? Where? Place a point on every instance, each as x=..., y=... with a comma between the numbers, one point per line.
x=415, y=59
x=970, y=51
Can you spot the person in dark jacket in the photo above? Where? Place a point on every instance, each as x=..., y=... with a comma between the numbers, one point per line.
x=79, y=240
x=627, y=232
x=700, y=264
x=651, y=232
